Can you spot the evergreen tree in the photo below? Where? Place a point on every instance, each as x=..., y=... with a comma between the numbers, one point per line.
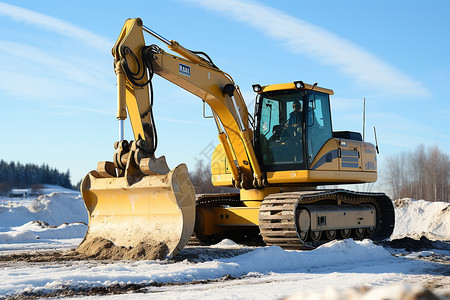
x=24, y=176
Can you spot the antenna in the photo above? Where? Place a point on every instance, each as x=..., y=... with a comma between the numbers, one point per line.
x=376, y=141
x=364, y=119
x=309, y=92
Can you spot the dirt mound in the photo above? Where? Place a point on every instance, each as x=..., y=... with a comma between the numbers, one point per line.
x=410, y=244
x=99, y=248
x=399, y=203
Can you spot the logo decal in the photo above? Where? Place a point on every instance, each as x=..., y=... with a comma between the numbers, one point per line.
x=185, y=70
x=293, y=174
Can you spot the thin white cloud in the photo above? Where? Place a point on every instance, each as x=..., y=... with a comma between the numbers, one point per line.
x=53, y=24
x=306, y=38
x=57, y=73
x=82, y=72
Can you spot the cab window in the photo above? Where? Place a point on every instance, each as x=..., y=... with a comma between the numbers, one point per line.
x=319, y=123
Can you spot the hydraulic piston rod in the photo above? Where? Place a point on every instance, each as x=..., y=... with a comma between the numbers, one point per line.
x=156, y=35
x=176, y=47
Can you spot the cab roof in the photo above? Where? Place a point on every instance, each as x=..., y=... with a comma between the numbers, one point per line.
x=291, y=86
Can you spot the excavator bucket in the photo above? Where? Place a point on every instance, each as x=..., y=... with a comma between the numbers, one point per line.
x=154, y=210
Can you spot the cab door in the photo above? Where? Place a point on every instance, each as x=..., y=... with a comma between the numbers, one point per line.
x=318, y=126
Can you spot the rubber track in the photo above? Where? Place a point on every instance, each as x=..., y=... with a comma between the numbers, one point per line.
x=278, y=215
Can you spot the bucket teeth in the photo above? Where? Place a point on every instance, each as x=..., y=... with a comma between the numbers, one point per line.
x=106, y=169
x=154, y=166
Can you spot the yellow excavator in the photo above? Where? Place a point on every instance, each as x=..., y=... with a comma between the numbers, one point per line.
x=276, y=158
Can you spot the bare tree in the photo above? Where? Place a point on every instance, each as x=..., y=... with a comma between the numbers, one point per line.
x=201, y=179
x=420, y=174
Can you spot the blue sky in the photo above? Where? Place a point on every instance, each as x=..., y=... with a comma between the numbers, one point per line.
x=57, y=84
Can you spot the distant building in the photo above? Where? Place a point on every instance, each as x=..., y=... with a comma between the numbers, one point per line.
x=19, y=193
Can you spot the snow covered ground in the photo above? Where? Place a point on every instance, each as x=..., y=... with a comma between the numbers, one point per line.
x=337, y=270
x=54, y=221
x=422, y=218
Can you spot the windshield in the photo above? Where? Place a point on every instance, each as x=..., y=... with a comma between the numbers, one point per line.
x=280, y=128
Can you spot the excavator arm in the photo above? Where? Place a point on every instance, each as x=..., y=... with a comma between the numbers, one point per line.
x=136, y=63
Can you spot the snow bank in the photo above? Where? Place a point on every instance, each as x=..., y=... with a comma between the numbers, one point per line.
x=57, y=208
x=52, y=216
x=266, y=260
x=275, y=259
x=34, y=230
x=416, y=218
x=54, y=209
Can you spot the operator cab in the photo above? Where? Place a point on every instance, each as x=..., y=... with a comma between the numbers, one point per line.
x=293, y=121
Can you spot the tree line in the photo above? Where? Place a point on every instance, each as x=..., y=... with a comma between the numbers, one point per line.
x=420, y=174
x=17, y=175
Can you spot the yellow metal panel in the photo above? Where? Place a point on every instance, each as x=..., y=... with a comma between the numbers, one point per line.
x=291, y=86
x=259, y=194
x=236, y=216
x=369, y=158
x=219, y=161
x=327, y=157
x=218, y=219
x=137, y=102
x=350, y=159
x=222, y=180
x=137, y=98
x=254, y=197
x=283, y=177
x=320, y=177
x=205, y=223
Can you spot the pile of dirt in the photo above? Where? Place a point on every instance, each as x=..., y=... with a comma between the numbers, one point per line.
x=100, y=248
x=97, y=248
x=399, y=203
x=410, y=244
